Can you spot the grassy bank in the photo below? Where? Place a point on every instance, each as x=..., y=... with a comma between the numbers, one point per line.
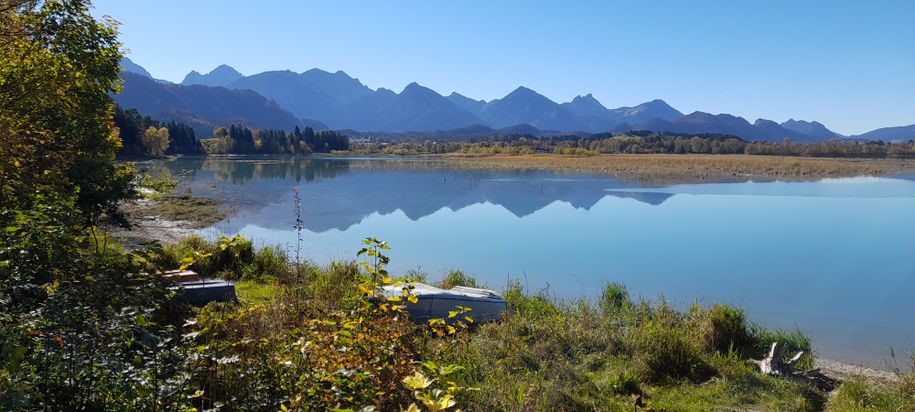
x=688, y=168
x=306, y=333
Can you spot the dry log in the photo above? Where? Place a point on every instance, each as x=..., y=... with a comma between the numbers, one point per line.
x=772, y=365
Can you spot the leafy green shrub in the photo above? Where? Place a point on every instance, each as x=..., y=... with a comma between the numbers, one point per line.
x=533, y=307
x=80, y=321
x=725, y=329
x=624, y=384
x=666, y=347
x=614, y=297
x=230, y=256
x=170, y=256
x=269, y=264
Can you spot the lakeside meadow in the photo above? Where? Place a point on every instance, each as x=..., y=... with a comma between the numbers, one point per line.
x=671, y=168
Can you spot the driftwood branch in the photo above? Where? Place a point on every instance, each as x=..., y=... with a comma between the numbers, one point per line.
x=774, y=366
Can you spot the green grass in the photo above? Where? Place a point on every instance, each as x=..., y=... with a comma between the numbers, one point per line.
x=255, y=293
x=860, y=395
x=578, y=355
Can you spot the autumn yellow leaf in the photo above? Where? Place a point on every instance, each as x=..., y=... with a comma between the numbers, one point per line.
x=417, y=381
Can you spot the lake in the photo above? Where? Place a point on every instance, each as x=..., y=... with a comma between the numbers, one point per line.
x=832, y=257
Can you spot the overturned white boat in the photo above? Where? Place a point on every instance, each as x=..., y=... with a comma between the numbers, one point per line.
x=434, y=303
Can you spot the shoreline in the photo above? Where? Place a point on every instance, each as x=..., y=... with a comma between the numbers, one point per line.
x=147, y=226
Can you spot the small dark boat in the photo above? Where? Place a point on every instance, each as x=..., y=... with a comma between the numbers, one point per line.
x=201, y=292
x=434, y=303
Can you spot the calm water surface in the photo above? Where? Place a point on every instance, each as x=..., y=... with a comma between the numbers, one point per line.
x=831, y=257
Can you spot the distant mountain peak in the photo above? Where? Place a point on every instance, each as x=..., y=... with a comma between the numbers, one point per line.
x=524, y=90
x=466, y=103
x=416, y=88
x=526, y=106
x=221, y=76
x=813, y=128
x=657, y=104
x=128, y=65
x=316, y=70
x=586, y=105
x=656, y=108
x=587, y=98
x=320, y=72
x=225, y=68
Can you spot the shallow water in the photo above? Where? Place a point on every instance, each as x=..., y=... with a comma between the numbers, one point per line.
x=831, y=257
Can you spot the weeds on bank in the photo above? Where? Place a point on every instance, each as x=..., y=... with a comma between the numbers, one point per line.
x=581, y=355
x=859, y=394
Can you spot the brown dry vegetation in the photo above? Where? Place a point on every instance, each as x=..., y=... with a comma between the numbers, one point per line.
x=690, y=168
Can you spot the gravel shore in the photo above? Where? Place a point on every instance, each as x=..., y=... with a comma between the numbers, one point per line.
x=147, y=227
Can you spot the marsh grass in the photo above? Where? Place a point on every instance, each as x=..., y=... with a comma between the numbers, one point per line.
x=664, y=168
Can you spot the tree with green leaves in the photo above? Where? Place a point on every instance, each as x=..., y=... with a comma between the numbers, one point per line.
x=76, y=312
x=58, y=66
x=156, y=141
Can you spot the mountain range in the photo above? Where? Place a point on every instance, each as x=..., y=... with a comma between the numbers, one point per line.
x=203, y=107
x=285, y=99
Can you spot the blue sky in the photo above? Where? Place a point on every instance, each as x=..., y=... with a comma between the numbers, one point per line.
x=848, y=64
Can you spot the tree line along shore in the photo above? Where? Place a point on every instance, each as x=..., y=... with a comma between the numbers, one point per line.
x=663, y=157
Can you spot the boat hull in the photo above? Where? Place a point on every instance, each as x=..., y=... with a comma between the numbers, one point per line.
x=439, y=306
x=202, y=292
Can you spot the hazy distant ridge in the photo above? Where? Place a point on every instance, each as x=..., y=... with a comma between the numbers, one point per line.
x=343, y=102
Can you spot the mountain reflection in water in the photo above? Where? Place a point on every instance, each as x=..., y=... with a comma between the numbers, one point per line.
x=339, y=193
